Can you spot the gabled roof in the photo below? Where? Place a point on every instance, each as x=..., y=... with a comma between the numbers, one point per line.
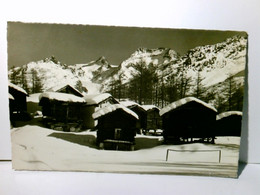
x=59, y=88
x=150, y=107
x=132, y=104
x=94, y=99
x=17, y=88
x=63, y=97
x=128, y=103
x=111, y=108
x=229, y=113
x=183, y=101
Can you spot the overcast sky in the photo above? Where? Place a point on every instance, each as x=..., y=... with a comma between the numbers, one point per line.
x=74, y=44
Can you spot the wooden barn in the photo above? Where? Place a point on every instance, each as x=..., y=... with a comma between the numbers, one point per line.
x=17, y=103
x=65, y=88
x=189, y=118
x=140, y=111
x=116, y=127
x=94, y=102
x=62, y=111
x=154, y=121
x=229, y=123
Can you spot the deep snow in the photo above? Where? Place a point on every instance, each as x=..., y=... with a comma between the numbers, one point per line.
x=38, y=148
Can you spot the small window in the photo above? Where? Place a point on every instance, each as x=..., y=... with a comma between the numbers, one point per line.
x=117, y=133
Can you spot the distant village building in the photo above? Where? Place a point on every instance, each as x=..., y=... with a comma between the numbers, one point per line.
x=229, y=123
x=139, y=110
x=33, y=99
x=94, y=102
x=62, y=110
x=65, y=88
x=17, y=102
x=154, y=121
x=116, y=127
x=189, y=118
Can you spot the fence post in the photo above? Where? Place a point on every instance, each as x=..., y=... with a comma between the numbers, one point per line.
x=167, y=155
x=219, y=156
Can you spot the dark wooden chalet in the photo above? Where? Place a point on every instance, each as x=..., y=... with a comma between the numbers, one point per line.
x=153, y=119
x=62, y=111
x=17, y=103
x=140, y=111
x=188, y=118
x=94, y=102
x=66, y=88
x=229, y=123
x=116, y=127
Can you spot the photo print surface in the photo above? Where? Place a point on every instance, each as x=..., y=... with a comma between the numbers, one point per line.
x=125, y=99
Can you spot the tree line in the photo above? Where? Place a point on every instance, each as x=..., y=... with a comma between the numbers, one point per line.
x=152, y=86
x=29, y=81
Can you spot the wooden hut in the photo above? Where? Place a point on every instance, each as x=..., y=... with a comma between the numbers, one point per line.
x=33, y=99
x=139, y=110
x=153, y=119
x=188, y=118
x=62, y=111
x=17, y=105
x=116, y=127
x=94, y=102
x=229, y=123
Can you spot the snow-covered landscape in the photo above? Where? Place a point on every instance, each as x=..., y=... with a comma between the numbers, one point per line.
x=155, y=112
x=38, y=148
x=204, y=71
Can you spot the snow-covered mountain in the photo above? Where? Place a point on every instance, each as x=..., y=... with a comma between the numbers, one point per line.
x=52, y=73
x=217, y=62
x=213, y=64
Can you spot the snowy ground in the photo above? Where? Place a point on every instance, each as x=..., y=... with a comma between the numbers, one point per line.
x=38, y=148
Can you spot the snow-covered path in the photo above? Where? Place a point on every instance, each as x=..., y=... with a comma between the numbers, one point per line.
x=37, y=148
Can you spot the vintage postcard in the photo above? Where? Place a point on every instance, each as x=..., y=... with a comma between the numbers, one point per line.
x=125, y=99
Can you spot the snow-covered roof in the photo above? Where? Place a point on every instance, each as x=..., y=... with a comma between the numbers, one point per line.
x=64, y=97
x=132, y=104
x=150, y=107
x=61, y=86
x=17, y=88
x=111, y=108
x=96, y=98
x=10, y=96
x=128, y=103
x=183, y=101
x=229, y=113
x=34, y=97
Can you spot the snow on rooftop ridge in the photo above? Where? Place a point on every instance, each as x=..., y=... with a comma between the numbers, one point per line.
x=183, y=101
x=34, y=97
x=111, y=108
x=10, y=96
x=64, y=97
x=149, y=107
x=229, y=113
x=59, y=86
x=17, y=88
x=96, y=98
x=128, y=103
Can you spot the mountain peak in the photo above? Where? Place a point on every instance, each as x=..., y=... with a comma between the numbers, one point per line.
x=102, y=61
x=51, y=59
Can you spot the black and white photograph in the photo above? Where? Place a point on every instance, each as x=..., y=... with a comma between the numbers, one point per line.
x=126, y=99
